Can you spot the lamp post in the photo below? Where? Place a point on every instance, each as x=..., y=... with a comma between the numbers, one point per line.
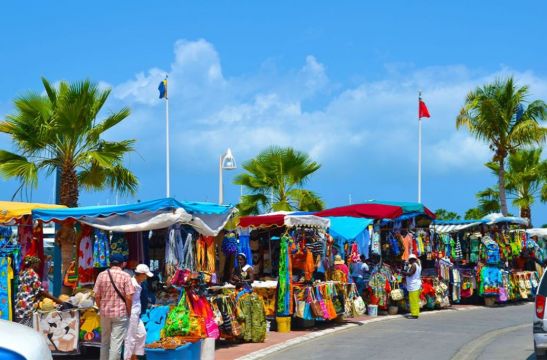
x=226, y=162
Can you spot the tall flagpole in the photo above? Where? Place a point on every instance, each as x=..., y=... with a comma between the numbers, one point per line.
x=419, y=152
x=167, y=163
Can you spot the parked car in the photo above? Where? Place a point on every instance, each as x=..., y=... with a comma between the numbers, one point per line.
x=540, y=321
x=19, y=342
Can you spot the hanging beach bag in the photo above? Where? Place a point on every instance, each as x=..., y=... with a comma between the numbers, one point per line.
x=359, y=306
x=315, y=306
x=178, y=319
x=397, y=294
x=299, y=307
x=502, y=297
x=323, y=304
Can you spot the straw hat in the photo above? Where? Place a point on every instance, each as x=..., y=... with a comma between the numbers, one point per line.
x=338, y=260
x=412, y=256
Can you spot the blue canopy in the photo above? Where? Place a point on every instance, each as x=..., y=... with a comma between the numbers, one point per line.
x=158, y=205
x=47, y=215
x=207, y=218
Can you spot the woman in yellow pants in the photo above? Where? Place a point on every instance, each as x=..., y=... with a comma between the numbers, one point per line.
x=414, y=285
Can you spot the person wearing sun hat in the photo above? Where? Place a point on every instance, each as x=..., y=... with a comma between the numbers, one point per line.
x=341, y=271
x=136, y=333
x=414, y=285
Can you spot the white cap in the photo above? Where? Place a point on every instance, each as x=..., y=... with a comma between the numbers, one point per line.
x=411, y=256
x=143, y=269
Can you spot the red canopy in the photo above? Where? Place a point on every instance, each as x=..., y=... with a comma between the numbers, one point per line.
x=371, y=211
x=262, y=220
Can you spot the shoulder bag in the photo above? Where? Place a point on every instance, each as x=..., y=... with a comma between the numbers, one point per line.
x=119, y=293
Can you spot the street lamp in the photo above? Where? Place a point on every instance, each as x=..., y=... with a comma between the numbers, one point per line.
x=226, y=162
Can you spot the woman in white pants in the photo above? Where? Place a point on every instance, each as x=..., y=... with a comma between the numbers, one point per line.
x=136, y=333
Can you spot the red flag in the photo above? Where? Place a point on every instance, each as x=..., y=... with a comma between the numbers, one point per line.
x=422, y=110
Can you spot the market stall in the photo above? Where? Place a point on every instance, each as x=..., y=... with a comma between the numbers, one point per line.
x=19, y=237
x=490, y=258
x=297, y=250
x=178, y=241
x=385, y=233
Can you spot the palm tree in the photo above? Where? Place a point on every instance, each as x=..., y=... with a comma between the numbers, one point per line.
x=275, y=178
x=496, y=114
x=59, y=131
x=526, y=179
x=489, y=200
x=443, y=214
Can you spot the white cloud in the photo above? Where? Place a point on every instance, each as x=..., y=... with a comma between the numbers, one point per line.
x=370, y=127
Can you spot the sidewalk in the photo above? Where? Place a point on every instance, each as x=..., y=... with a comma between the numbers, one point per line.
x=276, y=341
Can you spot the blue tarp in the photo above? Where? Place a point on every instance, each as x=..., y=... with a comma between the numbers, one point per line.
x=349, y=229
x=195, y=208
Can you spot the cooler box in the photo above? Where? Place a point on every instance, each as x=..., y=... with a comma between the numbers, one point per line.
x=191, y=351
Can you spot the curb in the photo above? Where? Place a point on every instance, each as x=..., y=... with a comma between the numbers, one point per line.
x=301, y=339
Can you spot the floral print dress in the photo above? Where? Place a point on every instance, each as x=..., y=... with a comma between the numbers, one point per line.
x=27, y=298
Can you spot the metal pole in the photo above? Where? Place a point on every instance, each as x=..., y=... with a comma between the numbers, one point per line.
x=220, y=184
x=419, y=152
x=167, y=161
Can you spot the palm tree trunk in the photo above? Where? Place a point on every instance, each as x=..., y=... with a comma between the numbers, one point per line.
x=526, y=212
x=69, y=197
x=501, y=183
x=69, y=185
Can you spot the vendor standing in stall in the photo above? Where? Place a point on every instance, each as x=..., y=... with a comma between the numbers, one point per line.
x=114, y=296
x=340, y=270
x=414, y=285
x=243, y=275
x=136, y=333
x=30, y=291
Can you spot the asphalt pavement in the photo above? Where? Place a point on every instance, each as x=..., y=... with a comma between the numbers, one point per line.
x=485, y=333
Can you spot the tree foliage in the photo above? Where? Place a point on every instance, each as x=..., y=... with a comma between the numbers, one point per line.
x=275, y=181
x=501, y=115
x=61, y=130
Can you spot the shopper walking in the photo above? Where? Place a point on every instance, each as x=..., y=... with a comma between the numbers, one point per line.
x=136, y=333
x=114, y=296
x=414, y=285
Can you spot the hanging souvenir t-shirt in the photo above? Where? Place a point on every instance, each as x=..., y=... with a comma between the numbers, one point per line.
x=118, y=245
x=101, y=250
x=85, y=257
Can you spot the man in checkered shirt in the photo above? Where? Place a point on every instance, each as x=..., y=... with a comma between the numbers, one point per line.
x=114, y=309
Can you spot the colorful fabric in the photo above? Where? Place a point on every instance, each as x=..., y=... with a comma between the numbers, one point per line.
x=118, y=245
x=90, y=326
x=111, y=305
x=408, y=241
x=245, y=245
x=101, y=250
x=24, y=234
x=85, y=257
x=61, y=329
x=28, y=293
x=6, y=276
x=154, y=321
x=284, y=295
x=253, y=318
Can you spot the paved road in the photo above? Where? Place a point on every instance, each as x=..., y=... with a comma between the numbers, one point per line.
x=486, y=333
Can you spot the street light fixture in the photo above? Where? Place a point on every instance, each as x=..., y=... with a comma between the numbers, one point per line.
x=226, y=162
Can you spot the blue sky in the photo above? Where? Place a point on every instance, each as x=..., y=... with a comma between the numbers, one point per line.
x=336, y=79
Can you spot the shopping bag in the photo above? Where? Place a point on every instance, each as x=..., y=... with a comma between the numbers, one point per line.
x=178, y=319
